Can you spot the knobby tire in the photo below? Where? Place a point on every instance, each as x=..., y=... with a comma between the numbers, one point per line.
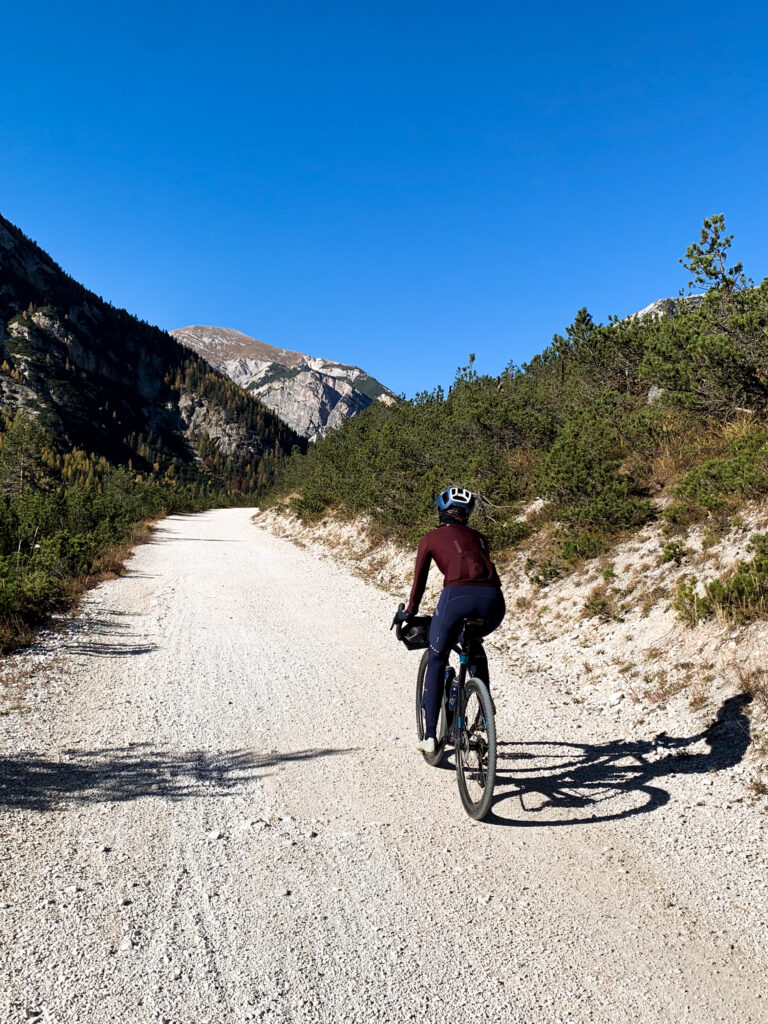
x=476, y=749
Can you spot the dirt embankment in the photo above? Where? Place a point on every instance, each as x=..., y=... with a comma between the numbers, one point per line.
x=608, y=632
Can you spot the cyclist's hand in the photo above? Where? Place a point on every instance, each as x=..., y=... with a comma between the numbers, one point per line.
x=401, y=616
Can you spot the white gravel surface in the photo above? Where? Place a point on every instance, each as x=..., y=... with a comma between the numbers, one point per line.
x=212, y=812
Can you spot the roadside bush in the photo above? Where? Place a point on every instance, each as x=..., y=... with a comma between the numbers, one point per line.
x=744, y=595
x=691, y=606
x=615, y=509
x=673, y=551
x=63, y=555
x=583, y=460
x=507, y=534
x=600, y=604
x=742, y=473
x=740, y=596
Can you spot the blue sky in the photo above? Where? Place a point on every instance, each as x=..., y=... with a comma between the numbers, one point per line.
x=393, y=185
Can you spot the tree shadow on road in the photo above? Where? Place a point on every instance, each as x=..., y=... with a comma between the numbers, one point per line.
x=162, y=536
x=559, y=783
x=102, y=637
x=38, y=782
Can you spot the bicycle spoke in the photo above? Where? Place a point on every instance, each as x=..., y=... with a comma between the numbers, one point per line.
x=476, y=750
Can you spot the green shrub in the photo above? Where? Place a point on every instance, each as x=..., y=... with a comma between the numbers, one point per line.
x=614, y=510
x=577, y=546
x=63, y=555
x=600, y=604
x=673, y=551
x=740, y=596
x=690, y=606
x=509, y=534
x=544, y=572
x=741, y=473
x=743, y=596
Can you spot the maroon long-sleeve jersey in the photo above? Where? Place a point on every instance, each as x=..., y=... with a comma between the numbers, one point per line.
x=461, y=555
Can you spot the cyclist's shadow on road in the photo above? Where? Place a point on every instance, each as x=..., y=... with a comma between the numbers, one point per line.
x=552, y=783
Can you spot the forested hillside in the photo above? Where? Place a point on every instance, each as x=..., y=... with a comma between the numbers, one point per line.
x=102, y=381
x=105, y=421
x=654, y=417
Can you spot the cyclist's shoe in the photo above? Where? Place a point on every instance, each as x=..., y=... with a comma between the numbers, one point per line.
x=427, y=746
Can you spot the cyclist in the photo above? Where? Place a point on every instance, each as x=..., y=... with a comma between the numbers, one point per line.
x=471, y=588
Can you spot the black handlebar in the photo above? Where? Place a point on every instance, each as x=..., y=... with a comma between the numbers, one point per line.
x=399, y=630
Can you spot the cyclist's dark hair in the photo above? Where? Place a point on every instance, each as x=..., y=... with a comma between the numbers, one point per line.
x=454, y=515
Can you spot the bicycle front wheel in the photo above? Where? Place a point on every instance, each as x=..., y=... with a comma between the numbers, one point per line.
x=421, y=724
x=476, y=749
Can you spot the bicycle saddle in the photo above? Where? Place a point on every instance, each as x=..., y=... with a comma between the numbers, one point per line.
x=474, y=626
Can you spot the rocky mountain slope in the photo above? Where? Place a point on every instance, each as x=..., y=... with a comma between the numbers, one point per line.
x=311, y=395
x=102, y=381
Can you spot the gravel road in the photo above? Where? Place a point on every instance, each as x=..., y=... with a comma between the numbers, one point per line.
x=212, y=813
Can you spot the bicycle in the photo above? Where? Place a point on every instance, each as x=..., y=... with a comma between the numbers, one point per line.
x=467, y=717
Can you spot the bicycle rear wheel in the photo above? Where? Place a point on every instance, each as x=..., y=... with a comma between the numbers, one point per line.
x=421, y=725
x=476, y=749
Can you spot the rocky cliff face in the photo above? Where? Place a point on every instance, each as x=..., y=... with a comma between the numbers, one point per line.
x=102, y=381
x=311, y=395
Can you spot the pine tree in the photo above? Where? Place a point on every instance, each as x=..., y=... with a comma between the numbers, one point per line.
x=21, y=460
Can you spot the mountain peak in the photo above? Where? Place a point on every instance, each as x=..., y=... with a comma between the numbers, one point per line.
x=661, y=308
x=224, y=343
x=312, y=395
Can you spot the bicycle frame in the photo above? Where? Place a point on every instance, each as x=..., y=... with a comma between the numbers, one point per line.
x=473, y=739
x=460, y=680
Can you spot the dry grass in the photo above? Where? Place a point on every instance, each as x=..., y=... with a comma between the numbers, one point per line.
x=15, y=633
x=753, y=681
x=521, y=461
x=660, y=686
x=666, y=470
x=688, y=442
x=651, y=598
x=600, y=604
x=698, y=698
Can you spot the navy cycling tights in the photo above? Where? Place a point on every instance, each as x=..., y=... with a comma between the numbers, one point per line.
x=455, y=604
